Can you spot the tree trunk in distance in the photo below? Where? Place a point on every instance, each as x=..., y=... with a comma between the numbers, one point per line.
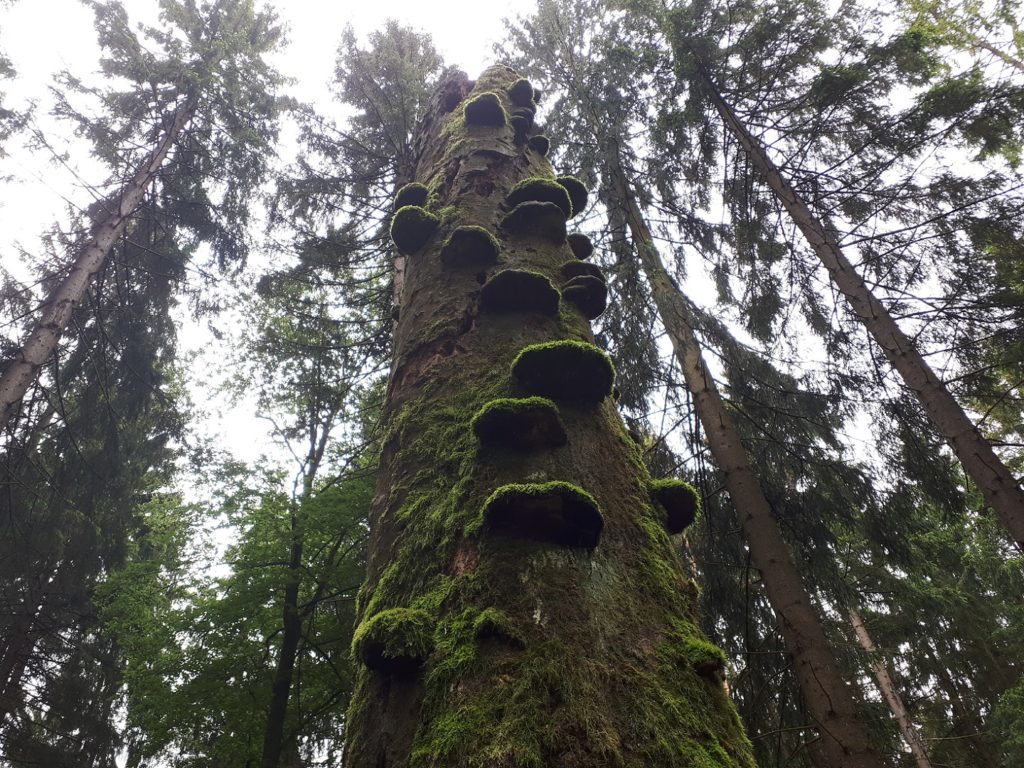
x=844, y=743
x=524, y=605
x=59, y=305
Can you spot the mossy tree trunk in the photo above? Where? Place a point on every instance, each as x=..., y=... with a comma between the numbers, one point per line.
x=525, y=604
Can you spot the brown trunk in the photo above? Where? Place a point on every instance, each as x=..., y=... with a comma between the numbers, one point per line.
x=998, y=485
x=59, y=305
x=890, y=693
x=524, y=605
x=844, y=742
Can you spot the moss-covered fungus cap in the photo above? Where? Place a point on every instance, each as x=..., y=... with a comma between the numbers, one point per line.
x=588, y=293
x=565, y=370
x=485, y=110
x=519, y=290
x=679, y=500
x=540, y=144
x=411, y=227
x=555, y=512
x=469, y=246
x=534, y=219
x=577, y=193
x=542, y=190
x=411, y=194
x=571, y=269
x=581, y=246
x=395, y=640
x=524, y=424
x=520, y=93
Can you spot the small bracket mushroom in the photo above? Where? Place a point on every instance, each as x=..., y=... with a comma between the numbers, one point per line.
x=565, y=370
x=556, y=512
x=523, y=424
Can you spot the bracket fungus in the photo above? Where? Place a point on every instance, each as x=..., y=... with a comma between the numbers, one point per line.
x=581, y=246
x=565, y=370
x=485, y=111
x=679, y=500
x=555, y=512
x=534, y=219
x=411, y=194
x=542, y=191
x=520, y=93
x=525, y=424
x=577, y=193
x=519, y=290
x=573, y=269
x=540, y=144
x=395, y=640
x=469, y=246
x=411, y=227
x=588, y=293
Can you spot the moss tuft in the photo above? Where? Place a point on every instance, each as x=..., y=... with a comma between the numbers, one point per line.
x=679, y=500
x=556, y=512
x=573, y=269
x=707, y=660
x=411, y=227
x=520, y=93
x=394, y=640
x=518, y=290
x=469, y=246
x=577, y=193
x=588, y=293
x=533, y=219
x=411, y=194
x=565, y=370
x=541, y=190
x=492, y=624
x=523, y=424
x=485, y=110
x=540, y=144
x=581, y=246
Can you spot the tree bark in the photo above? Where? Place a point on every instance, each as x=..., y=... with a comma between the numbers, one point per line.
x=484, y=640
x=998, y=485
x=59, y=305
x=844, y=742
x=890, y=693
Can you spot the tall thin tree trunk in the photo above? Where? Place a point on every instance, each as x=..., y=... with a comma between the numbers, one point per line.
x=59, y=305
x=844, y=743
x=889, y=692
x=524, y=604
x=998, y=485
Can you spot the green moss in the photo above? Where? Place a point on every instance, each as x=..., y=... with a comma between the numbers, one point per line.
x=520, y=93
x=518, y=290
x=536, y=219
x=706, y=659
x=577, y=193
x=679, y=500
x=411, y=227
x=411, y=194
x=571, y=269
x=485, y=110
x=589, y=294
x=394, y=640
x=470, y=246
x=529, y=423
x=556, y=512
x=494, y=624
x=581, y=246
x=540, y=144
x=542, y=191
x=565, y=370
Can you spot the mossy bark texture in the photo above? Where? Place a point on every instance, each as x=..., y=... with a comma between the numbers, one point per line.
x=540, y=654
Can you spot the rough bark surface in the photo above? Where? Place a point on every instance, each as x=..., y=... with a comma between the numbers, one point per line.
x=844, y=742
x=519, y=652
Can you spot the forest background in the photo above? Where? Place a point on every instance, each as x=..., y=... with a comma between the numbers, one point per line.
x=175, y=597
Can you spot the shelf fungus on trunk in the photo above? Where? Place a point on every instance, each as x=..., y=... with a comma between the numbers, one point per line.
x=522, y=424
x=571, y=269
x=589, y=294
x=469, y=246
x=555, y=512
x=541, y=191
x=540, y=144
x=412, y=194
x=396, y=640
x=485, y=111
x=581, y=246
x=577, y=193
x=679, y=500
x=411, y=228
x=521, y=93
x=519, y=290
x=565, y=370
x=532, y=219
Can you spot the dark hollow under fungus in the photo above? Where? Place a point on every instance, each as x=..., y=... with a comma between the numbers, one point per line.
x=518, y=290
x=541, y=190
x=469, y=246
x=534, y=219
x=525, y=424
x=577, y=193
x=555, y=512
x=411, y=227
x=396, y=640
x=679, y=500
x=565, y=370
x=485, y=110
x=539, y=144
x=411, y=194
x=573, y=269
x=588, y=293
x=520, y=93
x=581, y=246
